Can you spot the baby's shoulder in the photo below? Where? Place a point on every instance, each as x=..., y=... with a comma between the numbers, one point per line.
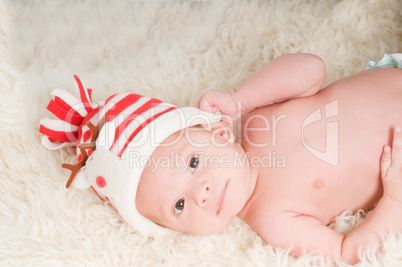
x=259, y=117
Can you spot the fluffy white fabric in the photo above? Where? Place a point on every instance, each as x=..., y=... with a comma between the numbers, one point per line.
x=170, y=50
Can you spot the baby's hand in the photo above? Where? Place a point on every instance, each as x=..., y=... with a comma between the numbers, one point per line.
x=391, y=168
x=214, y=100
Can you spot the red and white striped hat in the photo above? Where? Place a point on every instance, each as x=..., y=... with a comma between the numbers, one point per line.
x=129, y=127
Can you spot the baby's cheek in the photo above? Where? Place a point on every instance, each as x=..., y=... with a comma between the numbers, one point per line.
x=201, y=224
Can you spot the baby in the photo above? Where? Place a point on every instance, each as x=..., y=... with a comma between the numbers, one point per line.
x=302, y=157
x=327, y=148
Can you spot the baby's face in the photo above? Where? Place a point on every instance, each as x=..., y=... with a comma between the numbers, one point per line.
x=197, y=184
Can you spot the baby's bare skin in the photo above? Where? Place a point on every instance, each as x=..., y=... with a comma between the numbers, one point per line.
x=303, y=170
x=368, y=107
x=365, y=122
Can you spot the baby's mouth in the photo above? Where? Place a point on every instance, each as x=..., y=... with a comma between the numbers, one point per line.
x=220, y=200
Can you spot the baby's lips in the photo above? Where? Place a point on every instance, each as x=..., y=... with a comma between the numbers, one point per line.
x=220, y=200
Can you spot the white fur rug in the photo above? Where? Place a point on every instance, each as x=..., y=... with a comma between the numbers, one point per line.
x=170, y=50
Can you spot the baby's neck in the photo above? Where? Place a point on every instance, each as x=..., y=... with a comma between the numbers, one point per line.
x=253, y=177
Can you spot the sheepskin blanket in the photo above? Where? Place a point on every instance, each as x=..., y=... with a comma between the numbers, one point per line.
x=173, y=50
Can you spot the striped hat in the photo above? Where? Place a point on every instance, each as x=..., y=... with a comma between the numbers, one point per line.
x=114, y=142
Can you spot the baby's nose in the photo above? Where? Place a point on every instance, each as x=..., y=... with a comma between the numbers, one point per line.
x=203, y=193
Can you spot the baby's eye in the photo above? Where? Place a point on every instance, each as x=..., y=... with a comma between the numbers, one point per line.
x=178, y=208
x=193, y=163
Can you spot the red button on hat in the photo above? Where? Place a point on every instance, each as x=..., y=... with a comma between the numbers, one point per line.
x=100, y=181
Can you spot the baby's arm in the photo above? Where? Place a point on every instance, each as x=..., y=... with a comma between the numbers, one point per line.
x=303, y=233
x=287, y=76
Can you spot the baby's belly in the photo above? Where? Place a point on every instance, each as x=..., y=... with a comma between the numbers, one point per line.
x=310, y=186
x=328, y=191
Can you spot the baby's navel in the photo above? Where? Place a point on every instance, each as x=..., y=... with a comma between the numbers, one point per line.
x=319, y=183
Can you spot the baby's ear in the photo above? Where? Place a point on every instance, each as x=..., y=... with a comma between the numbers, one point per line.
x=220, y=129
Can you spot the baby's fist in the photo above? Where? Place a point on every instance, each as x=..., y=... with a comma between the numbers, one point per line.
x=215, y=100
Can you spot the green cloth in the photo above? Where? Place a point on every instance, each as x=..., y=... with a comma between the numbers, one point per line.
x=388, y=61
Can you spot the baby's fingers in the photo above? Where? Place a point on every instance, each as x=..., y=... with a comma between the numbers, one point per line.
x=397, y=149
x=385, y=161
x=207, y=102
